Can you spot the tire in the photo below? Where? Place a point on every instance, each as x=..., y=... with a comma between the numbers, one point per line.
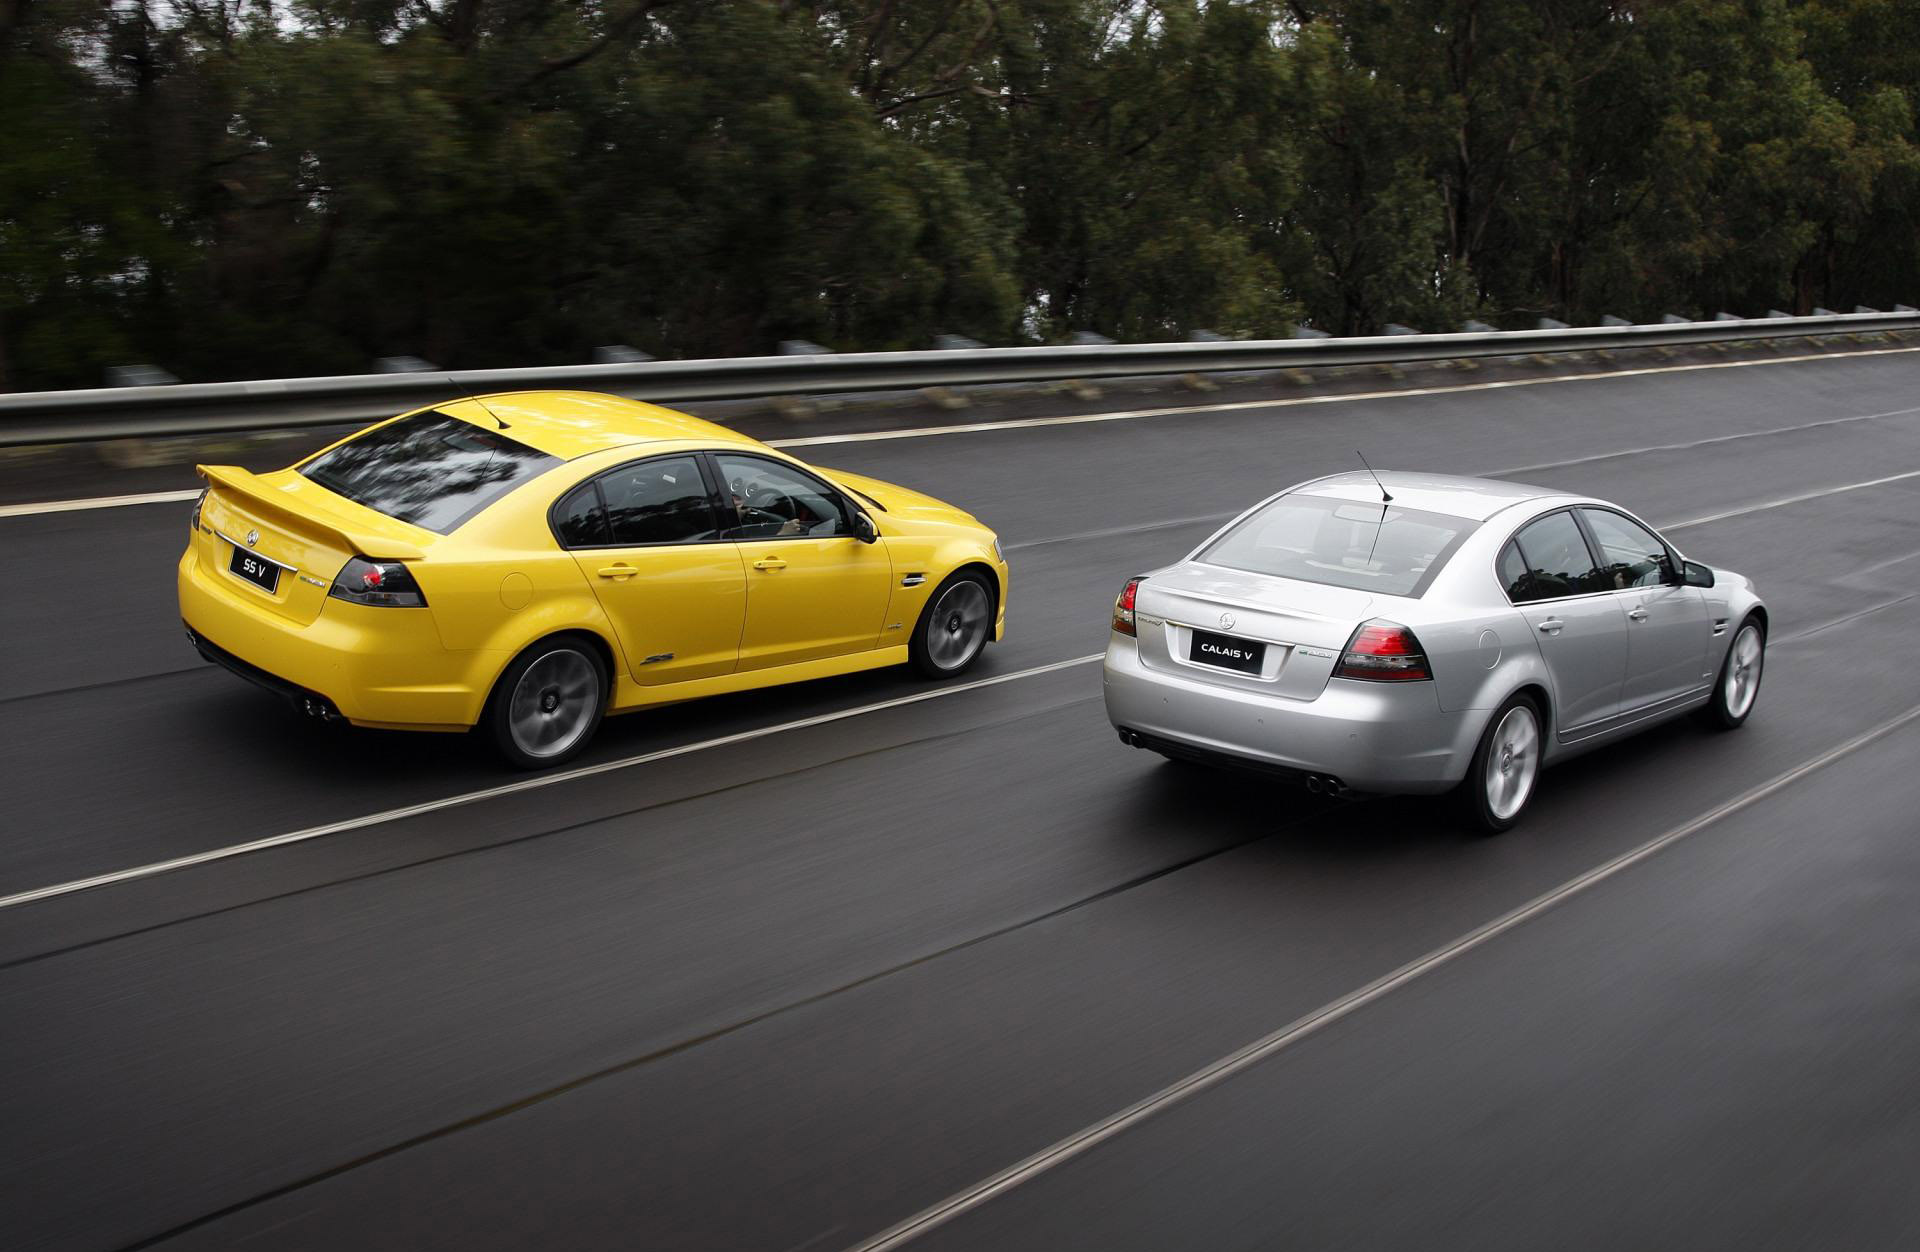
x=955, y=627
x=1738, y=685
x=1506, y=767
x=548, y=703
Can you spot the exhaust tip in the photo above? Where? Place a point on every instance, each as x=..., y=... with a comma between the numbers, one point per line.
x=1313, y=783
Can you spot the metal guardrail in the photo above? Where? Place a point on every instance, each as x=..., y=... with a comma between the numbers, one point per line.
x=208, y=408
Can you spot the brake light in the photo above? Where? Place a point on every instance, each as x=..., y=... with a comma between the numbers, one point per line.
x=193, y=519
x=1123, y=607
x=1383, y=652
x=388, y=584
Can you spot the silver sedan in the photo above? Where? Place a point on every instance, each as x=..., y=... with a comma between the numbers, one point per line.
x=1422, y=633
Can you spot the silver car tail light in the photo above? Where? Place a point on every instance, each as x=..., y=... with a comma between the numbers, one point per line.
x=1383, y=652
x=1123, y=606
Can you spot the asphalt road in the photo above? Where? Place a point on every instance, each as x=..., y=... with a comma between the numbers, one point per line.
x=786, y=991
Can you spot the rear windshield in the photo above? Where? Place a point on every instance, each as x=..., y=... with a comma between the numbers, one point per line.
x=1342, y=543
x=429, y=469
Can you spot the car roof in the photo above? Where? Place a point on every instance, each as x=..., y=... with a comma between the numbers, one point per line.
x=570, y=424
x=1454, y=495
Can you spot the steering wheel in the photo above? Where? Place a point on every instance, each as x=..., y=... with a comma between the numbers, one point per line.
x=756, y=504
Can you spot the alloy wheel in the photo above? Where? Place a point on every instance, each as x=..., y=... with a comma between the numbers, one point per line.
x=1513, y=762
x=554, y=704
x=957, y=625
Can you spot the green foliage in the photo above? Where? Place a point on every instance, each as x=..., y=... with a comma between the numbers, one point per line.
x=233, y=189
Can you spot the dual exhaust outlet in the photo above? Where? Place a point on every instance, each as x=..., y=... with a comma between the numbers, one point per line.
x=1318, y=784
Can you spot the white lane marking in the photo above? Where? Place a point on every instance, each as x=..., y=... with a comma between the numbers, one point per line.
x=1700, y=443
x=1327, y=1014
x=1858, y=570
x=1127, y=415
x=1869, y=611
x=96, y=502
x=1784, y=501
x=1110, y=532
x=526, y=784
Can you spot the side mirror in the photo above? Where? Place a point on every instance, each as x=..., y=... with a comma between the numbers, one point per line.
x=863, y=528
x=1698, y=575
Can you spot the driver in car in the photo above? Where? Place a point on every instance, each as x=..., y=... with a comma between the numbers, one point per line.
x=802, y=523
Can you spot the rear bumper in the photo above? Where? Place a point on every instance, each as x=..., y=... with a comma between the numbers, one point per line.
x=312, y=703
x=1380, y=737
x=373, y=666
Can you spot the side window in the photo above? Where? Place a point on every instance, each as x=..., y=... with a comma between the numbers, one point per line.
x=773, y=500
x=1513, y=573
x=580, y=519
x=663, y=500
x=1630, y=554
x=1559, y=563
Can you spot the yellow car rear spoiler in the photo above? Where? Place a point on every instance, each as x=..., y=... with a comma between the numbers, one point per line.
x=270, y=499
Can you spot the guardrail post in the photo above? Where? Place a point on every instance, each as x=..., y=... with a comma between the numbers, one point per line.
x=619, y=354
x=135, y=453
x=798, y=408
x=1193, y=380
x=1472, y=326
x=404, y=365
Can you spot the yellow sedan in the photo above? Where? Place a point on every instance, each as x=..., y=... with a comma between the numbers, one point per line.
x=533, y=561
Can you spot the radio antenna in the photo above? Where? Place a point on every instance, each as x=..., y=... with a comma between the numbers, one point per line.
x=477, y=400
x=1385, y=496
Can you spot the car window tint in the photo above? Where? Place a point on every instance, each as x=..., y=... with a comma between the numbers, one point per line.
x=1559, y=562
x=580, y=519
x=431, y=470
x=1342, y=543
x=773, y=500
x=1513, y=572
x=659, y=501
x=1630, y=554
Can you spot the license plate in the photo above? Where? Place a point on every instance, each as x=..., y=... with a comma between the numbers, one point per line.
x=1226, y=652
x=261, y=573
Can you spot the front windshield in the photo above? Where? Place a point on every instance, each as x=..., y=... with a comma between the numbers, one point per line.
x=431, y=470
x=1342, y=543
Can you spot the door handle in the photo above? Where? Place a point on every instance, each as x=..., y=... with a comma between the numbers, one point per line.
x=772, y=562
x=1638, y=615
x=1552, y=626
x=622, y=570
